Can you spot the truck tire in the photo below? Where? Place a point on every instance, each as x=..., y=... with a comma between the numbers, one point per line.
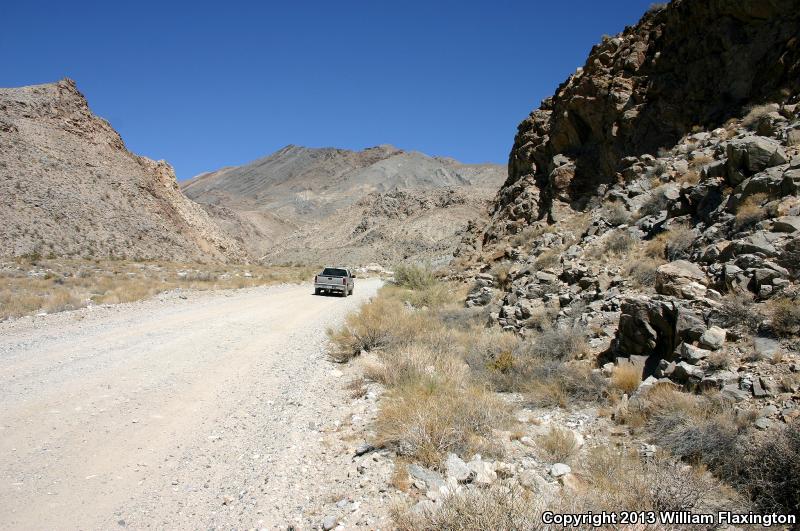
x=316, y=291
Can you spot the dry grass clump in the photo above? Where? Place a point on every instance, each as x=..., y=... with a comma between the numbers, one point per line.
x=371, y=328
x=784, y=314
x=548, y=258
x=616, y=214
x=643, y=271
x=557, y=384
x=692, y=177
x=656, y=203
x=418, y=363
x=427, y=419
x=750, y=211
x=626, y=377
x=559, y=445
x=501, y=272
x=620, y=243
x=738, y=310
x=772, y=474
x=413, y=276
x=558, y=343
x=672, y=244
x=530, y=233
x=498, y=507
x=719, y=360
x=755, y=114
x=662, y=483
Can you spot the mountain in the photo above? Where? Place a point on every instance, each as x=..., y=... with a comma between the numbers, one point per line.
x=324, y=204
x=69, y=187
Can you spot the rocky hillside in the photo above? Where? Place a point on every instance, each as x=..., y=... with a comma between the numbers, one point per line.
x=379, y=204
x=653, y=207
x=69, y=187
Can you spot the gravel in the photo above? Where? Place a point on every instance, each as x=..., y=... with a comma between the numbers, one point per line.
x=220, y=410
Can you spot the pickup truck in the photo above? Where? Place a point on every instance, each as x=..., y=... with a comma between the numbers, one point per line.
x=334, y=280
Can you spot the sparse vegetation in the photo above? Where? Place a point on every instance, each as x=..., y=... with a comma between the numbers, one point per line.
x=750, y=212
x=755, y=114
x=784, y=314
x=34, y=284
x=413, y=276
x=626, y=377
x=558, y=444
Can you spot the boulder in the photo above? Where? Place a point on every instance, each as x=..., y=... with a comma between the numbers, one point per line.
x=754, y=154
x=681, y=278
x=713, y=338
x=692, y=354
x=458, y=470
x=427, y=477
x=559, y=469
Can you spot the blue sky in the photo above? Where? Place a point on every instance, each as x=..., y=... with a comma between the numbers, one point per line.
x=205, y=85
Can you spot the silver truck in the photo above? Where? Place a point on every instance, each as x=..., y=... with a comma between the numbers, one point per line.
x=335, y=280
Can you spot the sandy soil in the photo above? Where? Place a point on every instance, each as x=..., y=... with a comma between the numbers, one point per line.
x=212, y=410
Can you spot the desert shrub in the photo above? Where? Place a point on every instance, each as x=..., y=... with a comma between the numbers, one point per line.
x=719, y=360
x=557, y=384
x=697, y=161
x=784, y=314
x=654, y=204
x=620, y=242
x=750, y=211
x=661, y=483
x=413, y=276
x=498, y=507
x=432, y=296
x=425, y=420
x=502, y=276
x=559, y=445
x=371, y=328
x=738, y=310
x=643, y=271
x=417, y=363
x=691, y=177
x=616, y=214
x=530, y=233
x=755, y=114
x=548, y=258
x=626, y=377
x=672, y=244
x=558, y=343
x=773, y=471
x=464, y=319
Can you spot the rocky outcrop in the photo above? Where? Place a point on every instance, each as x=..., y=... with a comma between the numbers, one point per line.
x=69, y=187
x=689, y=64
x=652, y=205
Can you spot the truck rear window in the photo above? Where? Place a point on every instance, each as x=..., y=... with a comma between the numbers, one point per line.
x=331, y=272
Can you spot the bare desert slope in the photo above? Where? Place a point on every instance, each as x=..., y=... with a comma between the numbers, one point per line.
x=69, y=187
x=319, y=204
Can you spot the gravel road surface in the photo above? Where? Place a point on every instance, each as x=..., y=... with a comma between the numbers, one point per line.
x=196, y=410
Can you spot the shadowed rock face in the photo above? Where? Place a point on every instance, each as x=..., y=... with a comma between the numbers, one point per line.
x=693, y=63
x=69, y=187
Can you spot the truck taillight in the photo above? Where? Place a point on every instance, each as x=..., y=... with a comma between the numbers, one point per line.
x=315, y=279
x=344, y=280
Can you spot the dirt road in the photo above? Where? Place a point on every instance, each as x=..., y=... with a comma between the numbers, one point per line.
x=217, y=410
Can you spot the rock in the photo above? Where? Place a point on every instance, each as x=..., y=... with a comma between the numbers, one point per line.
x=428, y=477
x=687, y=373
x=768, y=411
x=559, y=469
x=364, y=448
x=765, y=347
x=677, y=278
x=754, y=243
x=763, y=423
x=424, y=507
x=329, y=522
x=733, y=392
x=713, y=338
x=754, y=154
x=457, y=469
x=484, y=472
x=691, y=353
